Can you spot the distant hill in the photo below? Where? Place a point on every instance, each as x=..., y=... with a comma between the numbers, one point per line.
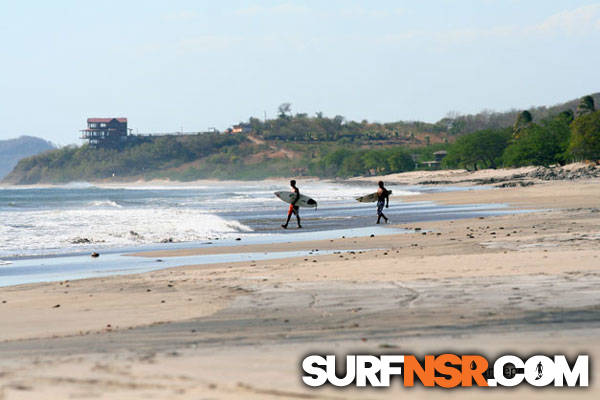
x=461, y=124
x=13, y=150
x=289, y=145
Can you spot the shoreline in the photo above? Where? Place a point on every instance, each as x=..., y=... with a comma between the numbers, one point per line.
x=527, y=282
x=155, y=256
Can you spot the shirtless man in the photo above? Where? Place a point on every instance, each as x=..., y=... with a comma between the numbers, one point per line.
x=383, y=199
x=293, y=207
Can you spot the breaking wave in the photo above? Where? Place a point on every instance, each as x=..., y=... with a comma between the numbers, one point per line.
x=51, y=231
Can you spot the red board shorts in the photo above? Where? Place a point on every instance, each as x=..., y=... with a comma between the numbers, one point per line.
x=293, y=210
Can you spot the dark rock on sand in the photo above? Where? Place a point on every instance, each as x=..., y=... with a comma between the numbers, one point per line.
x=435, y=183
x=515, y=184
x=81, y=241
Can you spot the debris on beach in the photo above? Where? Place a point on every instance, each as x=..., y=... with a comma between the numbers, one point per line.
x=136, y=235
x=80, y=240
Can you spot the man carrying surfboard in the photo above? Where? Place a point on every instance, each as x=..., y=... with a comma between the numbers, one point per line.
x=293, y=206
x=383, y=199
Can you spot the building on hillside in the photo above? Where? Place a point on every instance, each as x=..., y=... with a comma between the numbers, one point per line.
x=105, y=132
x=439, y=155
x=431, y=164
x=240, y=128
x=435, y=164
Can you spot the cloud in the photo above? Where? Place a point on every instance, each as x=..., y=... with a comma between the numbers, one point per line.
x=279, y=9
x=297, y=9
x=371, y=12
x=576, y=22
x=208, y=42
x=582, y=20
x=181, y=16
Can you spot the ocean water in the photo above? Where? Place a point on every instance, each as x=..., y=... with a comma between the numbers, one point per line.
x=80, y=217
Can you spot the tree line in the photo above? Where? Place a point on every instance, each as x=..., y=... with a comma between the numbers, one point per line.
x=303, y=128
x=557, y=139
x=329, y=147
x=74, y=163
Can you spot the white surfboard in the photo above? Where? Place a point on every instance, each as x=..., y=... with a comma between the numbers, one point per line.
x=369, y=198
x=304, y=201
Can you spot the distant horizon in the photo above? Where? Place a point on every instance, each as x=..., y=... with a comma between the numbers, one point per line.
x=200, y=64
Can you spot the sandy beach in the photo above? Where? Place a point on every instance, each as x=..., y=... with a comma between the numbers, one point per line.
x=526, y=282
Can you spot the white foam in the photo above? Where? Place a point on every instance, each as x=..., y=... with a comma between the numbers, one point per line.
x=323, y=191
x=77, y=185
x=105, y=203
x=90, y=219
x=34, y=232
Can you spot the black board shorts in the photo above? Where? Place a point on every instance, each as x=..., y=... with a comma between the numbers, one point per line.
x=380, y=205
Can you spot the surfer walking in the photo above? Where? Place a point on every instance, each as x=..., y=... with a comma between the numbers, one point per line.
x=383, y=199
x=293, y=207
x=540, y=370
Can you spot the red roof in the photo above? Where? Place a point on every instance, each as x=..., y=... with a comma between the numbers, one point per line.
x=106, y=119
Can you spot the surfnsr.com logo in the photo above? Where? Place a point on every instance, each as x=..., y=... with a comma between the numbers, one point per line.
x=446, y=371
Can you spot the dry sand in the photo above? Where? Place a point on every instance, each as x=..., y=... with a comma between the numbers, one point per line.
x=526, y=282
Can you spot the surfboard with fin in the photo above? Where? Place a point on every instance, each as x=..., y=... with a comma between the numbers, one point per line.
x=304, y=201
x=369, y=198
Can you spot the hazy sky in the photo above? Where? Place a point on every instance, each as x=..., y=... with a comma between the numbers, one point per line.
x=200, y=64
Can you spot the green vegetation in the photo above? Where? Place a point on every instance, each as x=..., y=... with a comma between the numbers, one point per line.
x=482, y=149
x=344, y=162
x=87, y=163
x=540, y=144
x=585, y=137
x=305, y=129
x=586, y=106
x=300, y=145
x=557, y=139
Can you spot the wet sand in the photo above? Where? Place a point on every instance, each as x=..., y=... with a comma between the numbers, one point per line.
x=516, y=283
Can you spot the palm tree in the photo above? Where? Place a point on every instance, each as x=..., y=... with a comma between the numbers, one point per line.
x=523, y=121
x=586, y=106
